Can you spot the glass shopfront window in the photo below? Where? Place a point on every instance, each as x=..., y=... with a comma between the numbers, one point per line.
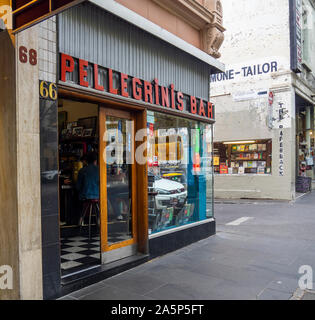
x=242, y=157
x=180, y=171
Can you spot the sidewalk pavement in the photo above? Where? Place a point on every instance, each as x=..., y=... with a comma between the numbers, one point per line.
x=255, y=258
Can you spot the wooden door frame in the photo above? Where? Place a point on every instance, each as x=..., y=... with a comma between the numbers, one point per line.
x=140, y=113
x=139, y=221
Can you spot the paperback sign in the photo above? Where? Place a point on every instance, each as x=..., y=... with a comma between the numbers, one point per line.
x=283, y=112
x=281, y=151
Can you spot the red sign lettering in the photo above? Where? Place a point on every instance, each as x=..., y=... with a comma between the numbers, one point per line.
x=135, y=88
x=123, y=84
x=97, y=86
x=148, y=92
x=65, y=67
x=180, y=99
x=202, y=109
x=110, y=82
x=210, y=110
x=193, y=105
x=157, y=94
x=165, y=97
x=83, y=73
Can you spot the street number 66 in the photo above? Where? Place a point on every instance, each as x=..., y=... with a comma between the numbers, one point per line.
x=48, y=90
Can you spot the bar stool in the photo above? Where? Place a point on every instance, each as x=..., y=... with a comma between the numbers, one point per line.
x=90, y=206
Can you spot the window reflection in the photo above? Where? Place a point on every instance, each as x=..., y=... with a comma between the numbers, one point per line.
x=180, y=171
x=119, y=193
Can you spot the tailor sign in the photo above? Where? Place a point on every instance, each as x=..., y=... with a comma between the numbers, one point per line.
x=246, y=71
x=26, y=13
x=93, y=76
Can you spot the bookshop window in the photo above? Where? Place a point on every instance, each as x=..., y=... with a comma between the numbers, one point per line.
x=180, y=174
x=243, y=157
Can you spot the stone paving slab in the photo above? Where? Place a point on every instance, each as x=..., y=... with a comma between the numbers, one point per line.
x=309, y=295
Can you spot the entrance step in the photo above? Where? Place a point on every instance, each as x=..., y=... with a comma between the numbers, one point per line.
x=88, y=277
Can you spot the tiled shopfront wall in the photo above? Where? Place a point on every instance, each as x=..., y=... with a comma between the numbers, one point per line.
x=48, y=154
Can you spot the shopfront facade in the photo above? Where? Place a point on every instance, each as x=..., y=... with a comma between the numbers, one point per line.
x=141, y=104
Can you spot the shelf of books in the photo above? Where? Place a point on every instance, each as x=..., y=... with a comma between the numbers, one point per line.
x=240, y=158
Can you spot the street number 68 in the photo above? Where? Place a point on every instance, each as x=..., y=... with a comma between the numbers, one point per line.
x=48, y=90
x=32, y=56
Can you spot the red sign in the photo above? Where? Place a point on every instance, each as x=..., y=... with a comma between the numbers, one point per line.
x=26, y=13
x=270, y=98
x=118, y=83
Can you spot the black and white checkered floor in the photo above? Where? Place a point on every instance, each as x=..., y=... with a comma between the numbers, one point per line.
x=79, y=253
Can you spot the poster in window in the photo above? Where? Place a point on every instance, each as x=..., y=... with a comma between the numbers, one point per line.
x=223, y=168
x=216, y=161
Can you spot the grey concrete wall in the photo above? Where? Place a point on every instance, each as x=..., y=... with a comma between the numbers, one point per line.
x=246, y=121
x=9, y=254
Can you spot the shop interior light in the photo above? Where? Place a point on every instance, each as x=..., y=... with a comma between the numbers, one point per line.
x=239, y=142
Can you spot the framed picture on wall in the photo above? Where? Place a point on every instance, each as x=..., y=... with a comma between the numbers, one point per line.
x=90, y=123
x=88, y=132
x=77, y=131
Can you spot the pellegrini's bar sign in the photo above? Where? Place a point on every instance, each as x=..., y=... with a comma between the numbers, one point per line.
x=90, y=75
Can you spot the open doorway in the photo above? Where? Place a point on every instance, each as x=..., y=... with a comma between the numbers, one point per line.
x=79, y=206
x=305, y=144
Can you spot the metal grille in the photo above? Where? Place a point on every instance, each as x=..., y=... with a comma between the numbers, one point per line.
x=97, y=36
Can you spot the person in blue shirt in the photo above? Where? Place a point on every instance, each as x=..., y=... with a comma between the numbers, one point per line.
x=88, y=184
